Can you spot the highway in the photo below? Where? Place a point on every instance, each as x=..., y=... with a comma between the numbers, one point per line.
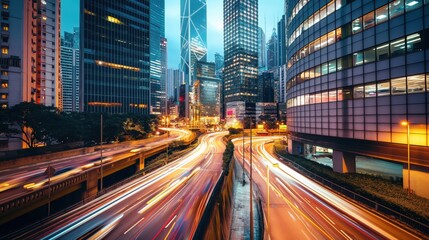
x=165, y=204
x=15, y=182
x=300, y=208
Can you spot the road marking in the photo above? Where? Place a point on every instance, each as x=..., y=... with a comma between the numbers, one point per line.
x=171, y=221
x=133, y=226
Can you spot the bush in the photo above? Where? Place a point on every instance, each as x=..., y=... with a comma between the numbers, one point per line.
x=227, y=156
x=233, y=131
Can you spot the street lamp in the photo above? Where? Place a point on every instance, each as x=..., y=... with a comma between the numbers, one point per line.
x=276, y=165
x=244, y=122
x=251, y=183
x=278, y=127
x=407, y=124
x=101, y=152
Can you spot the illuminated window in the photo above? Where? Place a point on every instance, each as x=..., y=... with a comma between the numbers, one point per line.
x=5, y=50
x=383, y=52
x=5, y=73
x=381, y=14
x=398, y=86
x=370, y=90
x=369, y=55
x=414, y=43
x=358, y=92
x=5, y=27
x=113, y=20
x=357, y=25
x=4, y=96
x=383, y=89
x=396, y=8
x=4, y=105
x=416, y=83
x=368, y=20
x=5, y=6
x=397, y=47
x=4, y=85
x=412, y=4
x=357, y=58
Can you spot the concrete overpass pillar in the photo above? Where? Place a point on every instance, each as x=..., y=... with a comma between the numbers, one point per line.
x=343, y=162
x=419, y=180
x=92, y=182
x=140, y=162
x=294, y=147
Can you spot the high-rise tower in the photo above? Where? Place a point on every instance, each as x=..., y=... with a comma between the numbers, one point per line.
x=30, y=53
x=241, y=50
x=193, y=35
x=115, y=57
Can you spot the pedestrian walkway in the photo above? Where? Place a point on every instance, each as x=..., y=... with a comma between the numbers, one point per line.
x=240, y=227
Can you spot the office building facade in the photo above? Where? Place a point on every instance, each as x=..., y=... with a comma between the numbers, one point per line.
x=240, y=50
x=209, y=92
x=193, y=35
x=157, y=32
x=262, y=51
x=163, y=82
x=30, y=57
x=273, y=51
x=115, y=56
x=355, y=70
x=70, y=71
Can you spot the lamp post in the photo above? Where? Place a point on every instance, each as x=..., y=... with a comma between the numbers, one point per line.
x=278, y=127
x=276, y=165
x=251, y=183
x=101, y=152
x=244, y=122
x=407, y=124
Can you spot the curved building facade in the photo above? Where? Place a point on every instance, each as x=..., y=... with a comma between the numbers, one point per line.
x=355, y=70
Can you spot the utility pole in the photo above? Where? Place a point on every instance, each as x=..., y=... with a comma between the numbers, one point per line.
x=101, y=152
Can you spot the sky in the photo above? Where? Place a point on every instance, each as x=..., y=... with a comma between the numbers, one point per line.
x=270, y=12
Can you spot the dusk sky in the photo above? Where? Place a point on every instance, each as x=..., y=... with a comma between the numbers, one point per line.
x=270, y=11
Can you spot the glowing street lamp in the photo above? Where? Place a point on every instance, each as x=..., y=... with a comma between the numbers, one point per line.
x=407, y=124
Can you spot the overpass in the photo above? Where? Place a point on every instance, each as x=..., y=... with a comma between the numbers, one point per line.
x=84, y=182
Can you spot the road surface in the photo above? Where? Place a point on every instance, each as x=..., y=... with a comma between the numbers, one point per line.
x=165, y=204
x=300, y=208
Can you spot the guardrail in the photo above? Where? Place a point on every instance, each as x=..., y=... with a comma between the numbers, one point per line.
x=359, y=198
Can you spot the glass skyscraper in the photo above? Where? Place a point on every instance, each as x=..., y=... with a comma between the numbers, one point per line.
x=115, y=60
x=241, y=50
x=193, y=35
x=355, y=71
x=157, y=32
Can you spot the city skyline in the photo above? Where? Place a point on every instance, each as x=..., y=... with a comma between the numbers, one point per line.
x=269, y=15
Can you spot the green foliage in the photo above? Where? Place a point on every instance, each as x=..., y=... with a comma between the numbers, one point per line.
x=233, y=131
x=227, y=156
x=34, y=123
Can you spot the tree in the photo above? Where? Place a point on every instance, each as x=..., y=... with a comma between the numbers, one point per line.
x=31, y=123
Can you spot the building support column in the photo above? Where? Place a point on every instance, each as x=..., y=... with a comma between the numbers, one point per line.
x=419, y=180
x=91, y=183
x=294, y=147
x=140, y=162
x=343, y=162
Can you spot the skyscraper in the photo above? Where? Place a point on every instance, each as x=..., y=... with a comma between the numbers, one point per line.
x=281, y=38
x=30, y=56
x=70, y=71
x=352, y=83
x=115, y=62
x=209, y=91
x=262, y=52
x=273, y=51
x=219, y=63
x=163, y=82
x=193, y=35
x=241, y=51
x=157, y=33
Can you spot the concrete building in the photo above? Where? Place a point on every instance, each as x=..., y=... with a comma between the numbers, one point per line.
x=70, y=71
x=355, y=71
x=115, y=62
x=30, y=59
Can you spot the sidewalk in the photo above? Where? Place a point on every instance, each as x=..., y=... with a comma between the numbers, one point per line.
x=240, y=226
